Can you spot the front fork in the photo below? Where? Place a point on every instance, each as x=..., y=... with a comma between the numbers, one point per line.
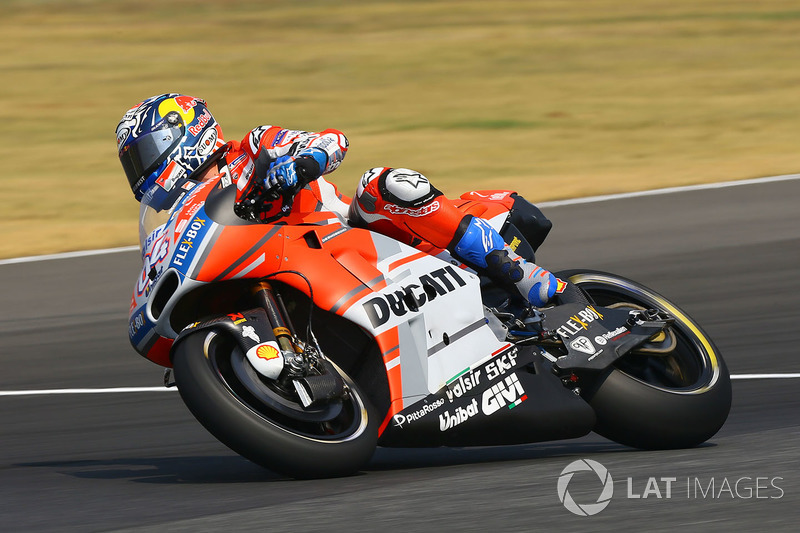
x=273, y=352
x=293, y=351
x=315, y=380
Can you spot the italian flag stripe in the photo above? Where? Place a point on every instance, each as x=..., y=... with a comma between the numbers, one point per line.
x=458, y=375
x=513, y=405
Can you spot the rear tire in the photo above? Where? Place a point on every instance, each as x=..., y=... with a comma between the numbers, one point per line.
x=338, y=445
x=674, y=400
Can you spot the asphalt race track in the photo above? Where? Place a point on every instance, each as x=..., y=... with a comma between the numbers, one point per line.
x=139, y=461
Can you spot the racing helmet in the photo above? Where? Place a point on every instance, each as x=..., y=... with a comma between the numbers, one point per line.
x=164, y=139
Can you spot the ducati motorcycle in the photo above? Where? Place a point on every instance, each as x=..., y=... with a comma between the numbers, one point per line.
x=304, y=343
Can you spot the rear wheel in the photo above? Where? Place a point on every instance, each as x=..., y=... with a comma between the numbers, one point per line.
x=675, y=399
x=264, y=421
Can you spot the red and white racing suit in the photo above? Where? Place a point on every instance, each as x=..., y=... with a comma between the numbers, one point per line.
x=248, y=161
x=399, y=203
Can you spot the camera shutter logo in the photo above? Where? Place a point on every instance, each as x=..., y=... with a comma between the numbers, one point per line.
x=589, y=509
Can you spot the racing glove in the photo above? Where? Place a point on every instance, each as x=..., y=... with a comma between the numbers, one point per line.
x=289, y=173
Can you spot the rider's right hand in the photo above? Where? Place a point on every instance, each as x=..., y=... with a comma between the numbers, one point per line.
x=282, y=174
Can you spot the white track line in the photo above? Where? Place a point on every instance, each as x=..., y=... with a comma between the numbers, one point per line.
x=669, y=190
x=764, y=376
x=85, y=391
x=67, y=255
x=45, y=392
x=557, y=203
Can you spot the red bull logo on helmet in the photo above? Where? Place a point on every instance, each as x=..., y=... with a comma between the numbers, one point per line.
x=183, y=105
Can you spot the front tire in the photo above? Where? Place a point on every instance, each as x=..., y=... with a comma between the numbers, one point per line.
x=337, y=442
x=656, y=401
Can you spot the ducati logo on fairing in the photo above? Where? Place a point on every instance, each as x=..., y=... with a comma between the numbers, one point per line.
x=439, y=282
x=507, y=392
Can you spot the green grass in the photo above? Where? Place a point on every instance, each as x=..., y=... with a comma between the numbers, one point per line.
x=554, y=98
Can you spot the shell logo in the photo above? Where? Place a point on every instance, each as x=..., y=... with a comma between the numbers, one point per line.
x=184, y=105
x=266, y=351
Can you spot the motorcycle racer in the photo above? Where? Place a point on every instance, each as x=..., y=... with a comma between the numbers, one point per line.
x=169, y=143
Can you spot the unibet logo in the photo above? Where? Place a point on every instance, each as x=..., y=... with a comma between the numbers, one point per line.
x=462, y=414
x=583, y=465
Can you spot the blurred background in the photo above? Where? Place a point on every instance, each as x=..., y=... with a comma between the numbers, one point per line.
x=555, y=99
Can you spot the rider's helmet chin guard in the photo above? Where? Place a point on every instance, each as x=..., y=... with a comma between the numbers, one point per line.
x=162, y=141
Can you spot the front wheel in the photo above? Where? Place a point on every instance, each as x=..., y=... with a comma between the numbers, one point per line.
x=676, y=399
x=265, y=423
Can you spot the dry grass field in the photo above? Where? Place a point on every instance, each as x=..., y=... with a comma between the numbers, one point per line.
x=554, y=98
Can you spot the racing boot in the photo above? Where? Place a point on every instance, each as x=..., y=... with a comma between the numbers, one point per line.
x=480, y=246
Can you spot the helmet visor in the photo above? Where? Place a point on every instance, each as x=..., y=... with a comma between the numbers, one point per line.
x=143, y=156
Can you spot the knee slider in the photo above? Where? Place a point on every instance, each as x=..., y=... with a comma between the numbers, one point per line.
x=406, y=188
